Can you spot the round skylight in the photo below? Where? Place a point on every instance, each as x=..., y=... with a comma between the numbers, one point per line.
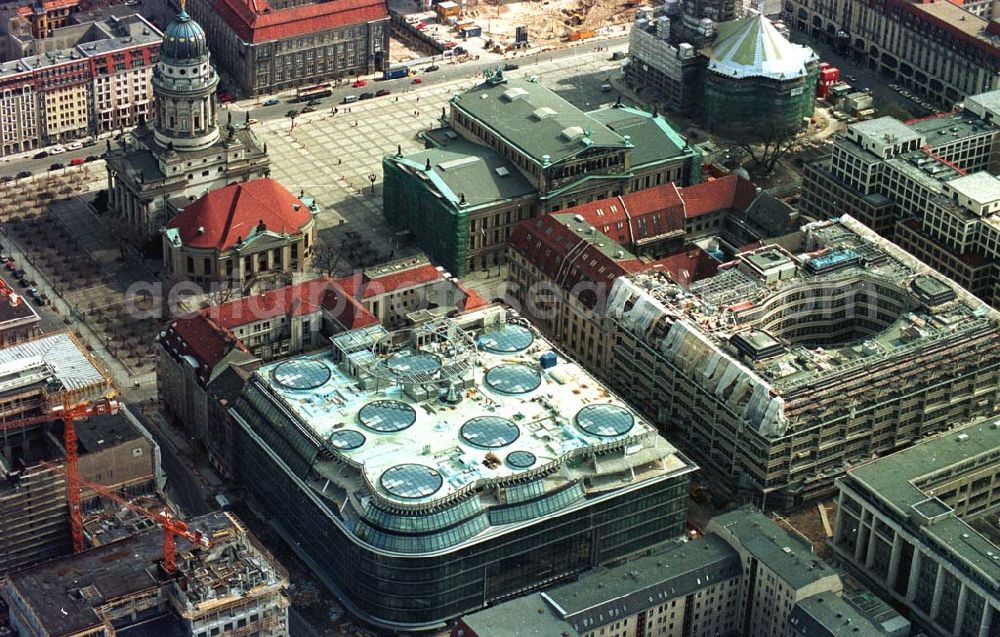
x=520, y=459
x=346, y=439
x=513, y=378
x=387, y=416
x=411, y=481
x=491, y=432
x=301, y=374
x=505, y=338
x=413, y=362
x=605, y=420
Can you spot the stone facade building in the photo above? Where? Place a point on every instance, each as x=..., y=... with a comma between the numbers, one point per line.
x=248, y=236
x=270, y=46
x=179, y=155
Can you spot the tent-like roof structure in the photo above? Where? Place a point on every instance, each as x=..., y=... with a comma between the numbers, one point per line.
x=752, y=47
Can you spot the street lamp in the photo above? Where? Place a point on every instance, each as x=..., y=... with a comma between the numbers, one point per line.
x=372, y=177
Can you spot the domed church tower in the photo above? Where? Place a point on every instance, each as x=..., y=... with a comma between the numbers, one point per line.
x=162, y=165
x=184, y=84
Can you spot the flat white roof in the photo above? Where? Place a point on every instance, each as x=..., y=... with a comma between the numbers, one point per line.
x=520, y=406
x=981, y=187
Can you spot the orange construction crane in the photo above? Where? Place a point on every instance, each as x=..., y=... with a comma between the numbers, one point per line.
x=172, y=526
x=68, y=414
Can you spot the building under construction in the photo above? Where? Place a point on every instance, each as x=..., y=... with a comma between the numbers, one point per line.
x=115, y=450
x=232, y=587
x=798, y=359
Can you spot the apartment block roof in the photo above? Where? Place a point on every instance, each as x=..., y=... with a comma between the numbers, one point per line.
x=674, y=570
x=235, y=214
x=534, y=119
x=703, y=319
x=908, y=482
x=256, y=21
x=201, y=342
x=790, y=557
x=96, y=39
x=828, y=615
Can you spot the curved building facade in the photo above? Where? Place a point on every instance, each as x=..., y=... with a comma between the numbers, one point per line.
x=426, y=473
x=758, y=79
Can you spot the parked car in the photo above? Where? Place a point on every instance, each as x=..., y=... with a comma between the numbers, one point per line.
x=431, y=68
x=24, y=174
x=91, y=158
x=382, y=92
x=314, y=102
x=366, y=96
x=417, y=80
x=358, y=83
x=57, y=166
x=420, y=26
x=308, y=109
x=33, y=293
x=43, y=298
x=77, y=161
x=87, y=143
x=10, y=265
x=56, y=150
x=271, y=101
x=7, y=178
x=252, y=121
x=74, y=146
x=18, y=274
x=450, y=45
x=510, y=66
x=460, y=50
x=41, y=154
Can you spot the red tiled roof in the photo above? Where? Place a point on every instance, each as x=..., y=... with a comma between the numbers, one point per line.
x=294, y=300
x=661, y=210
x=472, y=300
x=362, y=287
x=644, y=214
x=689, y=266
x=730, y=191
x=222, y=216
x=255, y=21
x=202, y=339
x=568, y=259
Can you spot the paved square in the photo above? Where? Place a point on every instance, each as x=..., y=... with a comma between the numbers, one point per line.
x=330, y=157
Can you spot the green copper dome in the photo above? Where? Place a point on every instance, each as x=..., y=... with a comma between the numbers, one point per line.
x=184, y=40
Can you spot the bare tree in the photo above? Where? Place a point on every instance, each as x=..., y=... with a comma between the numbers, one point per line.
x=122, y=231
x=325, y=258
x=766, y=143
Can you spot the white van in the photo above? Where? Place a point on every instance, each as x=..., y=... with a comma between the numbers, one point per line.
x=350, y=99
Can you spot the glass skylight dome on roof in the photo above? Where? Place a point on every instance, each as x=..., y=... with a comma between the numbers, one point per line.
x=409, y=362
x=302, y=374
x=513, y=378
x=346, y=440
x=521, y=459
x=505, y=338
x=605, y=420
x=387, y=416
x=411, y=481
x=491, y=432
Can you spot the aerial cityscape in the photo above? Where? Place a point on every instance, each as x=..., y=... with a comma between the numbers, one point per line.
x=499, y=318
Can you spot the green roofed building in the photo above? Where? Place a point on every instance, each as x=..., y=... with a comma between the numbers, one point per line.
x=515, y=149
x=758, y=79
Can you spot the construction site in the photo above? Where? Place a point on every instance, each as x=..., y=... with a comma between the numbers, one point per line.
x=221, y=580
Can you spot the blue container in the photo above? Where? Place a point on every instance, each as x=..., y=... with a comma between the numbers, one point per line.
x=548, y=360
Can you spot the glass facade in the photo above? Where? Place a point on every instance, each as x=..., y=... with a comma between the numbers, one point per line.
x=432, y=574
